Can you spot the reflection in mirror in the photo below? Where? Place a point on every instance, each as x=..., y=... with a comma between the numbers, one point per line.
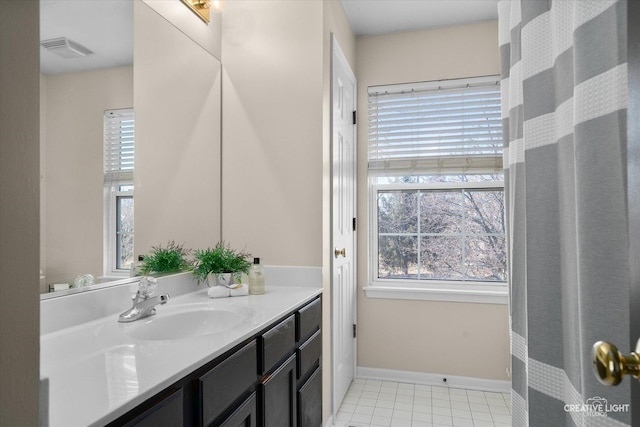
x=86, y=88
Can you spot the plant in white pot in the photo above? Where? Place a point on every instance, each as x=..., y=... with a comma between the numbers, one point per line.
x=220, y=265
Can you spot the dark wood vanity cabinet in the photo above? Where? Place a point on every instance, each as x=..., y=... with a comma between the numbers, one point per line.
x=273, y=379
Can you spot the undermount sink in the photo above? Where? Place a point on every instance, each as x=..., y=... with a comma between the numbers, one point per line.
x=186, y=322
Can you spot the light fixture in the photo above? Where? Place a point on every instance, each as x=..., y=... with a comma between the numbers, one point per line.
x=201, y=7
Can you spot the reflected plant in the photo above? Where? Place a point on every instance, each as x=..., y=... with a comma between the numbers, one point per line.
x=171, y=259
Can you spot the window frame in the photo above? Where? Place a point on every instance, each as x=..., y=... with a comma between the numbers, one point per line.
x=428, y=289
x=111, y=226
x=118, y=172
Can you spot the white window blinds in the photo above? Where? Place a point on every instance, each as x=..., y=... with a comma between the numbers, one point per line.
x=119, y=132
x=449, y=125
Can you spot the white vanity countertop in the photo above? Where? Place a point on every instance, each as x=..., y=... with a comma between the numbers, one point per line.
x=97, y=372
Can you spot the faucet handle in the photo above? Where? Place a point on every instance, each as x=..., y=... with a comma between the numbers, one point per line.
x=147, y=286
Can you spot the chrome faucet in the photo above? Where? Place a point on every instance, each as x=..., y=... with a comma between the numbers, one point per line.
x=143, y=304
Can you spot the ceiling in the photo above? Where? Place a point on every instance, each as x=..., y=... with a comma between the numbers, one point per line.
x=104, y=27
x=372, y=17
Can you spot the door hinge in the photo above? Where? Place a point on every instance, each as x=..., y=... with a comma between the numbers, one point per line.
x=354, y=117
x=354, y=224
x=355, y=330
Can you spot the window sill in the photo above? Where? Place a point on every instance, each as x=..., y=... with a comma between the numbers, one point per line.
x=497, y=295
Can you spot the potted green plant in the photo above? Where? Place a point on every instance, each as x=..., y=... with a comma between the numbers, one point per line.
x=220, y=265
x=171, y=259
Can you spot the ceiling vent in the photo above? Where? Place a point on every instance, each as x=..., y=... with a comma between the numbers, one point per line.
x=65, y=48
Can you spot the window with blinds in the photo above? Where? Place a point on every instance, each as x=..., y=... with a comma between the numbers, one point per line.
x=441, y=125
x=119, y=153
x=119, y=132
x=436, y=190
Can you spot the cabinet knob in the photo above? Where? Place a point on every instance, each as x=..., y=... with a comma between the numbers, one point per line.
x=338, y=252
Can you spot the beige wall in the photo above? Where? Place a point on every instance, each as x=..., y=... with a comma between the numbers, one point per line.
x=72, y=211
x=276, y=134
x=425, y=336
x=272, y=130
x=177, y=102
x=19, y=217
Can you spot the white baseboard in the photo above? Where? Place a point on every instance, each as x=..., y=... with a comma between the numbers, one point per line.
x=452, y=381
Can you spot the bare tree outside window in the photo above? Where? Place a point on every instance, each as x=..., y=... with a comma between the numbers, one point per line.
x=449, y=234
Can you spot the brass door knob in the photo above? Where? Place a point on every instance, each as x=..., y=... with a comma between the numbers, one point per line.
x=609, y=365
x=342, y=252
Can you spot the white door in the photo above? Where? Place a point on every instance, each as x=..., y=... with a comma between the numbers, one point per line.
x=343, y=286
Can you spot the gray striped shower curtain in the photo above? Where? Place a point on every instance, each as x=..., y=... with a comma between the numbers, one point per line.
x=564, y=98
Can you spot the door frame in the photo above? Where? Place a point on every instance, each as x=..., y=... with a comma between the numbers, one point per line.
x=337, y=55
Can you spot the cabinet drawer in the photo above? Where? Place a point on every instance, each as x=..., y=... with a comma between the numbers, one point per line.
x=308, y=320
x=166, y=413
x=310, y=401
x=309, y=355
x=277, y=343
x=245, y=415
x=227, y=382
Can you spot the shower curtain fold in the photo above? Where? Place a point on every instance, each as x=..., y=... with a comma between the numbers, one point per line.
x=564, y=97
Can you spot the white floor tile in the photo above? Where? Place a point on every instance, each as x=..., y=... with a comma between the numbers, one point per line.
x=461, y=413
x=460, y=405
x=462, y=422
x=399, y=413
x=443, y=403
x=381, y=421
x=404, y=398
x=386, y=396
x=347, y=408
x=374, y=403
x=505, y=419
x=404, y=406
x=420, y=416
x=383, y=412
x=344, y=416
x=366, y=410
x=477, y=407
x=369, y=394
x=400, y=422
x=443, y=420
x=441, y=411
x=360, y=418
x=385, y=404
x=350, y=400
x=481, y=416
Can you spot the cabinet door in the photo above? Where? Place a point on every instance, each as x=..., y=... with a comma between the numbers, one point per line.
x=227, y=383
x=166, y=413
x=244, y=416
x=279, y=402
x=310, y=401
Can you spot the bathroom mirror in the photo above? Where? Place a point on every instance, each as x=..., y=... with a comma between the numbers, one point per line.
x=170, y=42
x=86, y=64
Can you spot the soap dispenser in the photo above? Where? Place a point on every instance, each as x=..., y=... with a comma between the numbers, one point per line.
x=256, y=278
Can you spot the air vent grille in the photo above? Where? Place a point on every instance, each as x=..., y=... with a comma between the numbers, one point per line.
x=65, y=47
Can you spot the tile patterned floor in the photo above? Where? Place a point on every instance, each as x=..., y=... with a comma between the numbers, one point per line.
x=382, y=403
